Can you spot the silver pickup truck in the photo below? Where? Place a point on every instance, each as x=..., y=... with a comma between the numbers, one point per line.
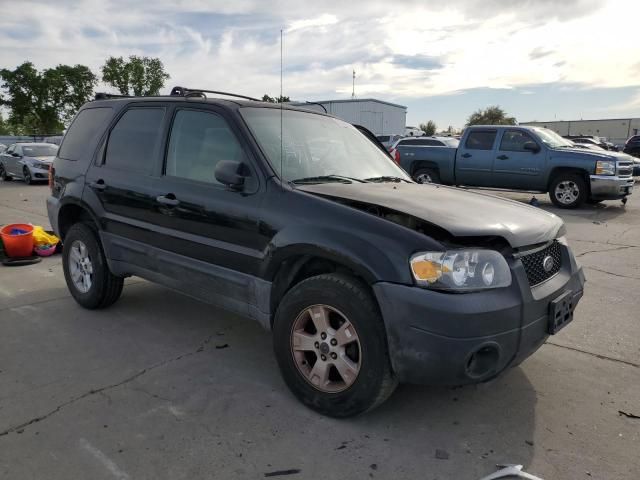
x=522, y=158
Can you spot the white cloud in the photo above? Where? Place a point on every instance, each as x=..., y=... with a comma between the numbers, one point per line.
x=235, y=45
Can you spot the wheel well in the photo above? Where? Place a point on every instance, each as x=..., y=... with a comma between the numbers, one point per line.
x=295, y=270
x=556, y=171
x=422, y=164
x=70, y=214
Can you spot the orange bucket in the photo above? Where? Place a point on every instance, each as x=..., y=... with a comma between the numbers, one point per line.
x=17, y=244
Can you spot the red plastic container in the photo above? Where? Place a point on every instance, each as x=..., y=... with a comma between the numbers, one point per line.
x=17, y=245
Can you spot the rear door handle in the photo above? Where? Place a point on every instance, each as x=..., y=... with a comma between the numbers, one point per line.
x=466, y=155
x=502, y=157
x=168, y=199
x=98, y=185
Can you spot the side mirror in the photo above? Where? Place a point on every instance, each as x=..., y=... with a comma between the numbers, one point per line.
x=531, y=147
x=230, y=173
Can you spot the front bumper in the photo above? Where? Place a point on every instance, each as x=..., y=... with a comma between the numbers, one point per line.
x=39, y=174
x=454, y=339
x=610, y=188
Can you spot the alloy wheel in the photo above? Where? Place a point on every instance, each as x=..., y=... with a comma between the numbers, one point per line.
x=567, y=192
x=424, y=178
x=80, y=266
x=326, y=348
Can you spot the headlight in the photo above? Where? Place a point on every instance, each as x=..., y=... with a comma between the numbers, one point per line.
x=605, y=167
x=460, y=270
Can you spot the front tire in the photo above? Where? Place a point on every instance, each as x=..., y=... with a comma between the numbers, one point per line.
x=88, y=277
x=330, y=343
x=26, y=175
x=568, y=190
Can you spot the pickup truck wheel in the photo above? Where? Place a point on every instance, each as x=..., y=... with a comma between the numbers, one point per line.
x=330, y=343
x=426, y=175
x=88, y=277
x=568, y=190
x=4, y=175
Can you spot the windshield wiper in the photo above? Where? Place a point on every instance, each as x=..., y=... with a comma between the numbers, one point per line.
x=327, y=178
x=387, y=178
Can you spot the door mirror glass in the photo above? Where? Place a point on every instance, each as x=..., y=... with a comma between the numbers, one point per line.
x=230, y=173
x=531, y=147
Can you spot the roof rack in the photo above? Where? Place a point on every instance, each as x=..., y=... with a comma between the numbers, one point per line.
x=106, y=96
x=190, y=92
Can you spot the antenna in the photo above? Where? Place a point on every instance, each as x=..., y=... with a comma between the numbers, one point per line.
x=353, y=91
x=281, y=129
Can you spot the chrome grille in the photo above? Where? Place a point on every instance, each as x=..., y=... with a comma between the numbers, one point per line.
x=625, y=169
x=533, y=263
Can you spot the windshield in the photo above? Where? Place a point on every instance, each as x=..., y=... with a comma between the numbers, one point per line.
x=39, y=150
x=317, y=146
x=552, y=139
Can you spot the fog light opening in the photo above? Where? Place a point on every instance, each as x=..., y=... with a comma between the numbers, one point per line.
x=483, y=362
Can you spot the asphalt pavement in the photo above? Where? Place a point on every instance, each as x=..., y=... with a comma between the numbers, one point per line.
x=163, y=387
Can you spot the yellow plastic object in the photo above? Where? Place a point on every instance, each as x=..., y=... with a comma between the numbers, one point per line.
x=40, y=237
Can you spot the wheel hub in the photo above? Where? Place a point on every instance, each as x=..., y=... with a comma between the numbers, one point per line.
x=80, y=266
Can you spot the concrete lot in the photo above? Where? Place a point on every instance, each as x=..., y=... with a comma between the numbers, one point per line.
x=145, y=390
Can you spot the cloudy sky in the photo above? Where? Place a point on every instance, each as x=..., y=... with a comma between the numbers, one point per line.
x=538, y=59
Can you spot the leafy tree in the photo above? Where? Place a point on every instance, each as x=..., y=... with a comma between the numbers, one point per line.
x=5, y=129
x=490, y=116
x=279, y=99
x=42, y=102
x=429, y=128
x=139, y=76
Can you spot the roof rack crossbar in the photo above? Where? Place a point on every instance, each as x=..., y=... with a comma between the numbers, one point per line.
x=189, y=92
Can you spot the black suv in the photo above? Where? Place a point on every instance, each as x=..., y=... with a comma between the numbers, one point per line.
x=297, y=220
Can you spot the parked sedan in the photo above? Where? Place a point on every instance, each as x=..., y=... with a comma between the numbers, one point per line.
x=27, y=161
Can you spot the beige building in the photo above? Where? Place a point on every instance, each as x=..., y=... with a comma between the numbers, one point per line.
x=616, y=130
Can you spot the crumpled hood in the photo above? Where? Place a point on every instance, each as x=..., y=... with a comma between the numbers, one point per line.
x=460, y=212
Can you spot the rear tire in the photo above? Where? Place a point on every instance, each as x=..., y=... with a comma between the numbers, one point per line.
x=568, y=190
x=426, y=175
x=88, y=277
x=4, y=175
x=362, y=346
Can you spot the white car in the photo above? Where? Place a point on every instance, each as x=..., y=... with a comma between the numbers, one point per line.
x=413, y=132
x=27, y=161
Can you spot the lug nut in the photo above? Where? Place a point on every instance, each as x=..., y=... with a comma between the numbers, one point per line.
x=333, y=355
x=323, y=357
x=323, y=335
x=334, y=342
x=317, y=345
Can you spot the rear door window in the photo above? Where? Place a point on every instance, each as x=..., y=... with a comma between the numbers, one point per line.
x=80, y=139
x=134, y=141
x=481, y=140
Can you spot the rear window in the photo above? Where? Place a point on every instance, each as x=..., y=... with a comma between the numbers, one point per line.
x=481, y=140
x=134, y=141
x=83, y=133
x=384, y=138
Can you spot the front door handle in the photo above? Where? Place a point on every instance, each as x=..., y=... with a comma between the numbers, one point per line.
x=98, y=185
x=168, y=199
x=466, y=155
x=502, y=157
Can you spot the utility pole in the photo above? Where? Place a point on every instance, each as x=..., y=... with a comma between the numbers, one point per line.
x=353, y=91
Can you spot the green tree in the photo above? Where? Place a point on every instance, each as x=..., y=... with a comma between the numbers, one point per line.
x=429, y=128
x=43, y=102
x=493, y=115
x=4, y=126
x=280, y=99
x=139, y=76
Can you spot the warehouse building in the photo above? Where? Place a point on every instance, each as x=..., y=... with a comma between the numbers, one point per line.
x=616, y=130
x=382, y=118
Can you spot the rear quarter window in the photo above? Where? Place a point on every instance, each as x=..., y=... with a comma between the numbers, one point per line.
x=80, y=140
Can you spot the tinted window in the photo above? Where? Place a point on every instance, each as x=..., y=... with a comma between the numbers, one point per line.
x=514, y=140
x=83, y=132
x=409, y=142
x=199, y=140
x=134, y=141
x=39, y=150
x=481, y=140
x=384, y=138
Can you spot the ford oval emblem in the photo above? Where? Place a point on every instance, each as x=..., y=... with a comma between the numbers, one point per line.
x=547, y=263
